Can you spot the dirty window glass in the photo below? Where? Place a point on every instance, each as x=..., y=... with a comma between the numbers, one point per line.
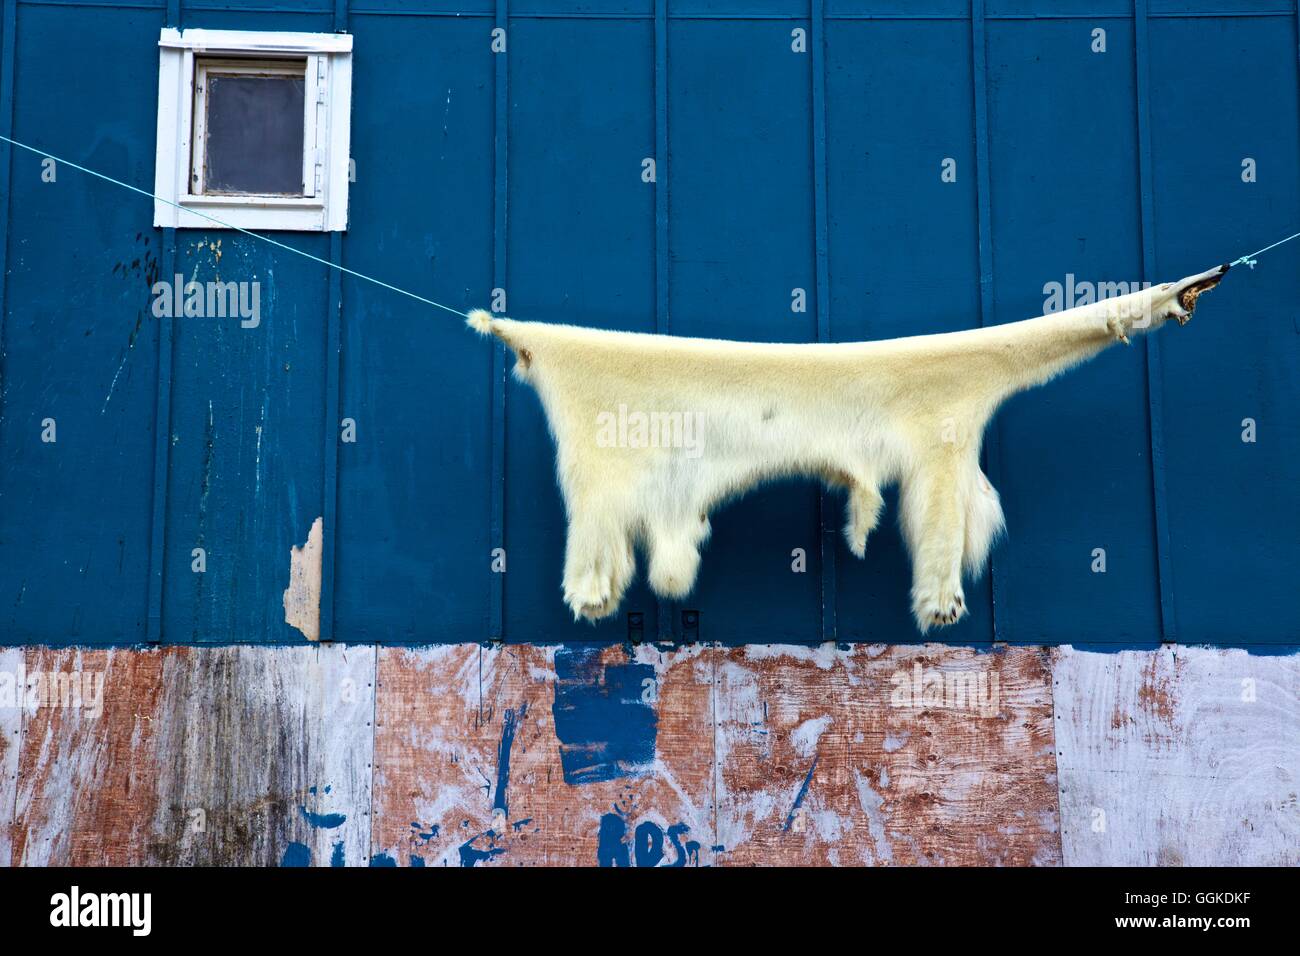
x=254, y=134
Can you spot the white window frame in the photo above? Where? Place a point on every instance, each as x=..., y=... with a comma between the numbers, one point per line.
x=327, y=106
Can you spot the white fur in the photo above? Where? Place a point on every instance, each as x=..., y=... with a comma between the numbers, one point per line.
x=858, y=415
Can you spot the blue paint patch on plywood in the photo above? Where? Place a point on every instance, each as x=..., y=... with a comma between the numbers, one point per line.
x=606, y=730
x=611, y=843
x=472, y=853
x=509, y=725
x=296, y=854
x=323, y=821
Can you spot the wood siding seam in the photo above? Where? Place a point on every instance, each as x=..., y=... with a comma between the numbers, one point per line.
x=162, y=425
x=500, y=266
x=333, y=408
x=162, y=453
x=1154, y=388
x=984, y=213
x=828, y=532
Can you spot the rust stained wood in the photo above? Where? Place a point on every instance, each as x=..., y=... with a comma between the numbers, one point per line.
x=86, y=780
x=447, y=717
x=12, y=669
x=830, y=756
x=231, y=756
x=1180, y=756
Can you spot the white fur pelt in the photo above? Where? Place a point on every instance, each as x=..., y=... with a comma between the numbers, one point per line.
x=653, y=432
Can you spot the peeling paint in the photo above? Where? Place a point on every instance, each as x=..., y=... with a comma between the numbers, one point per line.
x=302, y=596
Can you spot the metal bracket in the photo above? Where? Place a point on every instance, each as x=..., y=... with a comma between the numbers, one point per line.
x=690, y=626
x=635, y=627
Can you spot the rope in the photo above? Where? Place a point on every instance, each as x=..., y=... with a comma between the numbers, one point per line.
x=1249, y=260
x=227, y=225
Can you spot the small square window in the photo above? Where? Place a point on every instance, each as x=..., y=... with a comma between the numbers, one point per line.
x=249, y=129
x=253, y=130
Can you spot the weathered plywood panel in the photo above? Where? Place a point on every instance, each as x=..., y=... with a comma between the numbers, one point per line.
x=12, y=680
x=885, y=755
x=231, y=756
x=1181, y=756
x=87, y=765
x=269, y=748
x=528, y=755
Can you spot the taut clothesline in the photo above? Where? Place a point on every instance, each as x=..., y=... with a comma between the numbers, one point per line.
x=1249, y=260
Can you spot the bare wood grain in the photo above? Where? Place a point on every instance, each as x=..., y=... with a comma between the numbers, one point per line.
x=86, y=780
x=12, y=671
x=1185, y=756
x=830, y=756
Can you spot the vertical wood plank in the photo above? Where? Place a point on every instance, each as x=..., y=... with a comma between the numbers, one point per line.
x=885, y=755
x=1182, y=756
x=527, y=755
x=12, y=681
x=86, y=776
x=271, y=748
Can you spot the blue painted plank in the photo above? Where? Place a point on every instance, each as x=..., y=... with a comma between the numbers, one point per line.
x=413, y=492
x=500, y=266
x=741, y=235
x=1234, y=521
x=246, y=456
x=1075, y=474
x=582, y=233
x=903, y=251
x=79, y=335
x=1151, y=343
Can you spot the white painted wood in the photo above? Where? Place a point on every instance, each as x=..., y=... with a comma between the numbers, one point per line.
x=11, y=726
x=253, y=41
x=1183, y=756
x=338, y=149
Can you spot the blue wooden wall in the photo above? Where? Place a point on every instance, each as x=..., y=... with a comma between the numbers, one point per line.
x=777, y=170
